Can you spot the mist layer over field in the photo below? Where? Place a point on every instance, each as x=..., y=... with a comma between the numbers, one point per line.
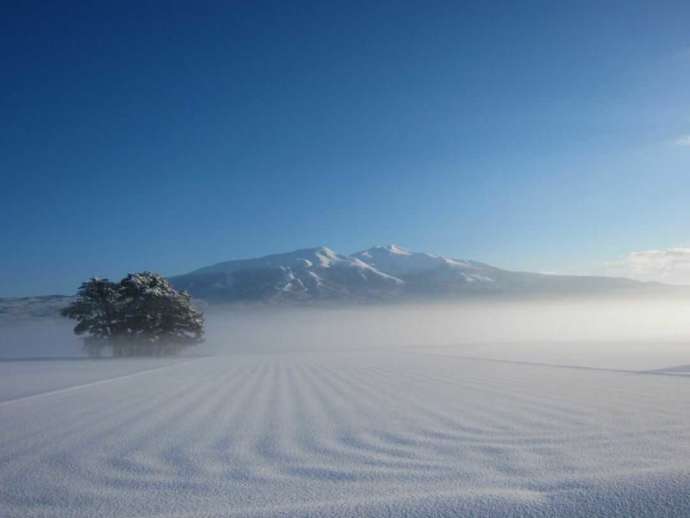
x=636, y=334
x=540, y=408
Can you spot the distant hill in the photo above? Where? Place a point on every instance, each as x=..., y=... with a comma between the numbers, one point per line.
x=16, y=308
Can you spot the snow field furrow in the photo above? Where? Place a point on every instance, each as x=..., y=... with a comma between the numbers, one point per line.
x=342, y=434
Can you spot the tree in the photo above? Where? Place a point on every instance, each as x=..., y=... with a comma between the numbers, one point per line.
x=142, y=315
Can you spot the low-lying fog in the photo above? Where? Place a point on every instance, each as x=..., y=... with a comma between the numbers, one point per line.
x=618, y=334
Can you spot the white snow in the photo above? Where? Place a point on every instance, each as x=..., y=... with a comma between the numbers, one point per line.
x=344, y=426
x=396, y=260
x=321, y=256
x=313, y=273
x=397, y=250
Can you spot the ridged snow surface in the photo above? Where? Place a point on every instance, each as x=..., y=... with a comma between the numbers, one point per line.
x=396, y=433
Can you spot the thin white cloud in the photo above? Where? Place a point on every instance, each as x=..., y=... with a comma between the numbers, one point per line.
x=683, y=141
x=670, y=265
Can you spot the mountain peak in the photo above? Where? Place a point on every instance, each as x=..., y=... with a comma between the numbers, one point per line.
x=395, y=249
x=325, y=251
x=383, y=250
x=323, y=255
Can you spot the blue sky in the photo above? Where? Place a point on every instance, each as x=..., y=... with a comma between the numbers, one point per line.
x=168, y=136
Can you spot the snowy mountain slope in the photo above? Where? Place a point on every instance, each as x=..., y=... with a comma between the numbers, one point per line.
x=381, y=272
x=313, y=273
x=398, y=261
x=434, y=269
x=427, y=274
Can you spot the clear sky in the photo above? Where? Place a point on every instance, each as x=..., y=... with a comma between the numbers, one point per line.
x=170, y=135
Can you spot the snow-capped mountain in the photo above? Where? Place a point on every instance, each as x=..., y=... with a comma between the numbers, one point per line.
x=381, y=272
x=313, y=273
x=433, y=276
x=428, y=268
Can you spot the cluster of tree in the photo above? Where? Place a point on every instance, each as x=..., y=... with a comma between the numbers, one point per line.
x=142, y=315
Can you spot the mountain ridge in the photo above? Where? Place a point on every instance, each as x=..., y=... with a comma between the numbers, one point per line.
x=382, y=272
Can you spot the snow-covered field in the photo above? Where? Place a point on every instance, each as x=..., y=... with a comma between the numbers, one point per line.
x=280, y=430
